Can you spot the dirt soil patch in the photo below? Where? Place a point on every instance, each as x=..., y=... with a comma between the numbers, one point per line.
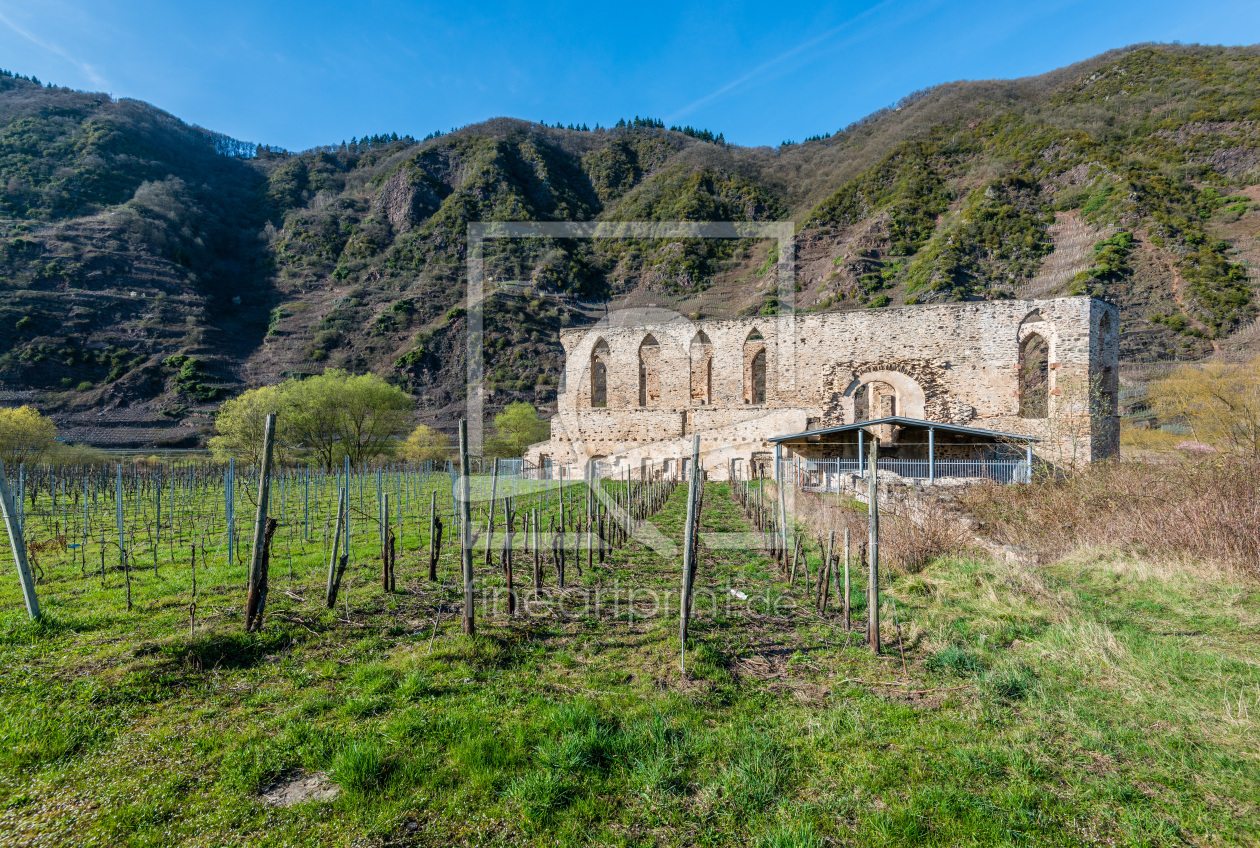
x=300, y=787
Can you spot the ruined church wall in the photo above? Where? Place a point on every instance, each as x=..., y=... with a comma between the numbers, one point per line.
x=954, y=363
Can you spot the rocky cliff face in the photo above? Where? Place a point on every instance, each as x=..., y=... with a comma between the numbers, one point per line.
x=149, y=268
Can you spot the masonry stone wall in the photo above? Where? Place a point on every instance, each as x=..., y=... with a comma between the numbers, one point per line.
x=949, y=363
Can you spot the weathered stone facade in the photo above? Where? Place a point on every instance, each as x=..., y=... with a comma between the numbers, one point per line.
x=636, y=387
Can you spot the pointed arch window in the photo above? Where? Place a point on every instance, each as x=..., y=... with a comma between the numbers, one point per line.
x=701, y=370
x=755, y=368
x=1034, y=377
x=649, y=371
x=599, y=375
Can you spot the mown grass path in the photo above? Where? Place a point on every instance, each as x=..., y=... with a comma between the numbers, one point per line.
x=1100, y=700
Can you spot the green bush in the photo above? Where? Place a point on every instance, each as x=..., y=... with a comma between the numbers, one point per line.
x=1098, y=199
x=190, y=377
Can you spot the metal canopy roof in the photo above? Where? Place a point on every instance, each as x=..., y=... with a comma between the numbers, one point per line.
x=905, y=422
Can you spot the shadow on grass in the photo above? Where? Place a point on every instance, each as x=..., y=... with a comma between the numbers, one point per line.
x=208, y=651
x=494, y=651
x=19, y=629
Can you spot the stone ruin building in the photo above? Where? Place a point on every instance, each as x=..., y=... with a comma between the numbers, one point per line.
x=638, y=385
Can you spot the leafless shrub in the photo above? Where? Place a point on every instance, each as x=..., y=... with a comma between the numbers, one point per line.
x=912, y=533
x=910, y=541
x=1204, y=508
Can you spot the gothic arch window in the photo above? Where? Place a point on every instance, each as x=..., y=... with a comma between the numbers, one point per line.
x=1034, y=376
x=599, y=375
x=755, y=368
x=649, y=371
x=701, y=370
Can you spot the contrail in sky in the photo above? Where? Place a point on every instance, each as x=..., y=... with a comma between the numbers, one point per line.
x=84, y=67
x=782, y=57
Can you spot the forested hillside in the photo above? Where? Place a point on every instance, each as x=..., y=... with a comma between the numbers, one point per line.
x=149, y=268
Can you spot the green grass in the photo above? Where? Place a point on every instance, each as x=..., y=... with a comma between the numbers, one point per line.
x=1103, y=699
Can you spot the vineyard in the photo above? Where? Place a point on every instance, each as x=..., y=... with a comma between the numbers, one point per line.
x=1008, y=704
x=122, y=529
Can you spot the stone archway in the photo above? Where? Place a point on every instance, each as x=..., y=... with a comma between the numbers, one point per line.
x=1035, y=378
x=919, y=389
x=907, y=398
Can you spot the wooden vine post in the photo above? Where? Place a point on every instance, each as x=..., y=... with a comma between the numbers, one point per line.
x=18, y=544
x=824, y=573
x=336, y=564
x=782, y=504
x=494, y=495
x=387, y=546
x=590, y=515
x=509, y=519
x=435, y=544
x=847, y=626
x=689, y=552
x=256, y=600
x=872, y=547
x=537, y=553
x=465, y=529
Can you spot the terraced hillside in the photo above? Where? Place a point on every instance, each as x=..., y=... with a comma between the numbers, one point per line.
x=130, y=238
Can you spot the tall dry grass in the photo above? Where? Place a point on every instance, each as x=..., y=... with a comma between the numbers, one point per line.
x=1204, y=508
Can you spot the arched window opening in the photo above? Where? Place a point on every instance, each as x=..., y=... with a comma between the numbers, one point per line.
x=599, y=375
x=649, y=372
x=701, y=370
x=755, y=368
x=1034, y=377
x=757, y=378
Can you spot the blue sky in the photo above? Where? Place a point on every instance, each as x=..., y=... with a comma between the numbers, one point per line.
x=302, y=74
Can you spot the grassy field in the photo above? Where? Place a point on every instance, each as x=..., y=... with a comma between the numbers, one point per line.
x=1100, y=700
